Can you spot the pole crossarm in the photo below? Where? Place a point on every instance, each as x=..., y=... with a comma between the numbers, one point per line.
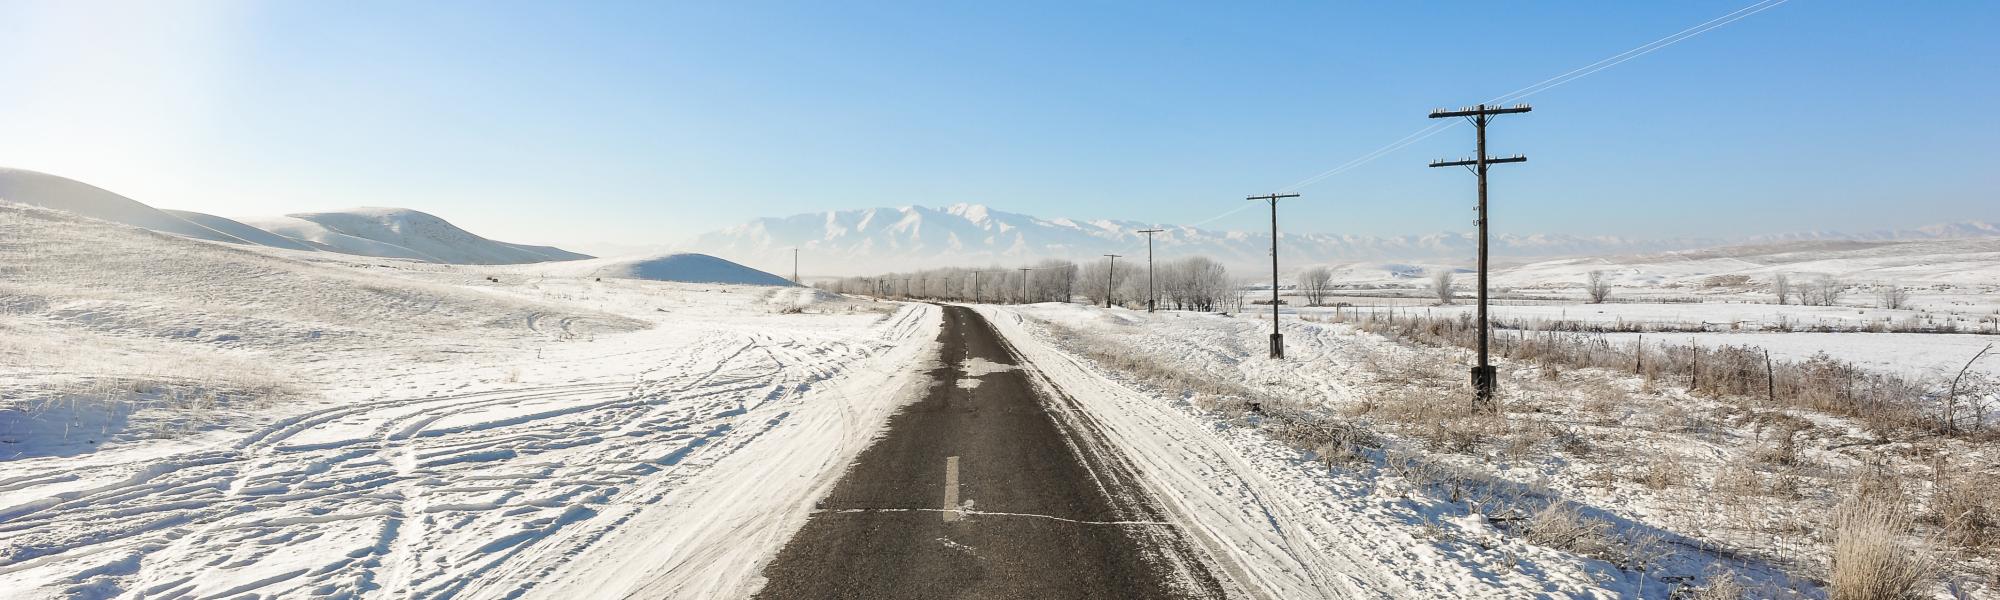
x=1467, y=162
x=1272, y=197
x=1480, y=110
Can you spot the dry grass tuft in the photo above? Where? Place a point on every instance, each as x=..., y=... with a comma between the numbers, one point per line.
x=1870, y=559
x=1562, y=526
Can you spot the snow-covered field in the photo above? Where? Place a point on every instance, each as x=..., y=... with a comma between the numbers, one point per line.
x=182, y=418
x=1690, y=491
x=1714, y=324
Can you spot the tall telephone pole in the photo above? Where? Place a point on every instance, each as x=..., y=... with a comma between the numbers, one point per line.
x=1152, y=293
x=1277, y=339
x=975, y=286
x=1024, y=283
x=1109, y=278
x=795, y=265
x=1483, y=377
x=906, y=288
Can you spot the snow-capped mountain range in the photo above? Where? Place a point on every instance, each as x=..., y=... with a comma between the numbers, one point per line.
x=884, y=239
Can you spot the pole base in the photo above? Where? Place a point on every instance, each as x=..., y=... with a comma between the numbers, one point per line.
x=1483, y=380
x=1277, y=345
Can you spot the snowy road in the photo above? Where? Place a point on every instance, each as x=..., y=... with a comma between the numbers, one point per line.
x=989, y=488
x=497, y=493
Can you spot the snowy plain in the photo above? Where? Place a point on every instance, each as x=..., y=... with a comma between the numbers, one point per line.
x=187, y=419
x=1660, y=467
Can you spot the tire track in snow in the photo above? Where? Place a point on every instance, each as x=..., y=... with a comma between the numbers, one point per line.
x=432, y=496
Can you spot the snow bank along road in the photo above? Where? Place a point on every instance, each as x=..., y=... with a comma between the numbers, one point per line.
x=677, y=467
x=989, y=488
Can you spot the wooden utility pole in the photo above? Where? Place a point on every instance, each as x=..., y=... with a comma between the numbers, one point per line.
x=1152, y=292
x=795, y=265
x=1109, y=279
x=1024, y=283
x=975, y=286
x=906, y=288
x=1277, y=339
x=1483, y=378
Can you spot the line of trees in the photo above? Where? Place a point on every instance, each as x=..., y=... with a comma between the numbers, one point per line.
x=1194, y=283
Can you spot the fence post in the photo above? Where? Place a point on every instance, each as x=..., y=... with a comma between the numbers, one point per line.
x=1770, y=379
x=1694, y=374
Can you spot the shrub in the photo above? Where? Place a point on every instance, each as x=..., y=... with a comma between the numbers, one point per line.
x=1562, y=526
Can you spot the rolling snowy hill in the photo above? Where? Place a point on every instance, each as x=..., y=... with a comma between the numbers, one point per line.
x=69, y=195
x=885, y=239
x=241, y=231
x=404, y=233
x=681, y=267
x=378, y=232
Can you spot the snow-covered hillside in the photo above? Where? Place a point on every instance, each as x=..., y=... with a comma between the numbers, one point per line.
x=404, y=233
x=880, y=240
x=681, y=267
x=49, y=191
x=377, y=232
x=241, y=231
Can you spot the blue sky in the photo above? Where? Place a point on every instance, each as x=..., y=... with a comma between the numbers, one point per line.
x=602, y=123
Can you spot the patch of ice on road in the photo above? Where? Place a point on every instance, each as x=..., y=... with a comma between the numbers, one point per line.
x=979, y=367
x=975, y=367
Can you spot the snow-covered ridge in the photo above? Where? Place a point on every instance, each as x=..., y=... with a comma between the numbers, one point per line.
x=883, y=239
x=379, y=232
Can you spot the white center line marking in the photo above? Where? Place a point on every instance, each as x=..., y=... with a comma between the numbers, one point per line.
x=951, y=489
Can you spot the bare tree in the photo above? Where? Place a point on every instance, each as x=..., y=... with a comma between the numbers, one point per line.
x=1316, y=282
x=1782, y=287
x=1053, y=280
x=1441, y=284
x=1826, y=290
x=1092, y=280
x=1892, y=296
x=1598, y=286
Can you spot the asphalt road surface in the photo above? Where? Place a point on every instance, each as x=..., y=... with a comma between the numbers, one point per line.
x=987, y=488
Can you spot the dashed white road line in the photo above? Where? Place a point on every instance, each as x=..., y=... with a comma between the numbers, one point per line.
x=951, y=512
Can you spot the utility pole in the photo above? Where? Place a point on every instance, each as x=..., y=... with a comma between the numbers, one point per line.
x=906, y=288
x=795, y=265
x=1483, y=377
x=1152, y=293
x=975, y=286
x=1109, y=277
x=1024, y=284
x=1277, y=339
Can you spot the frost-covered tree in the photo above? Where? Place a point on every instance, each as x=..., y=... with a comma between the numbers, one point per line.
x=1892, y=296
x=1441, y=285
x=1316, y=283
x=1598, y=286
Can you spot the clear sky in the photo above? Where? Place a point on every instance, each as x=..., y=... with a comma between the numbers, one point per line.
x=601, y=123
